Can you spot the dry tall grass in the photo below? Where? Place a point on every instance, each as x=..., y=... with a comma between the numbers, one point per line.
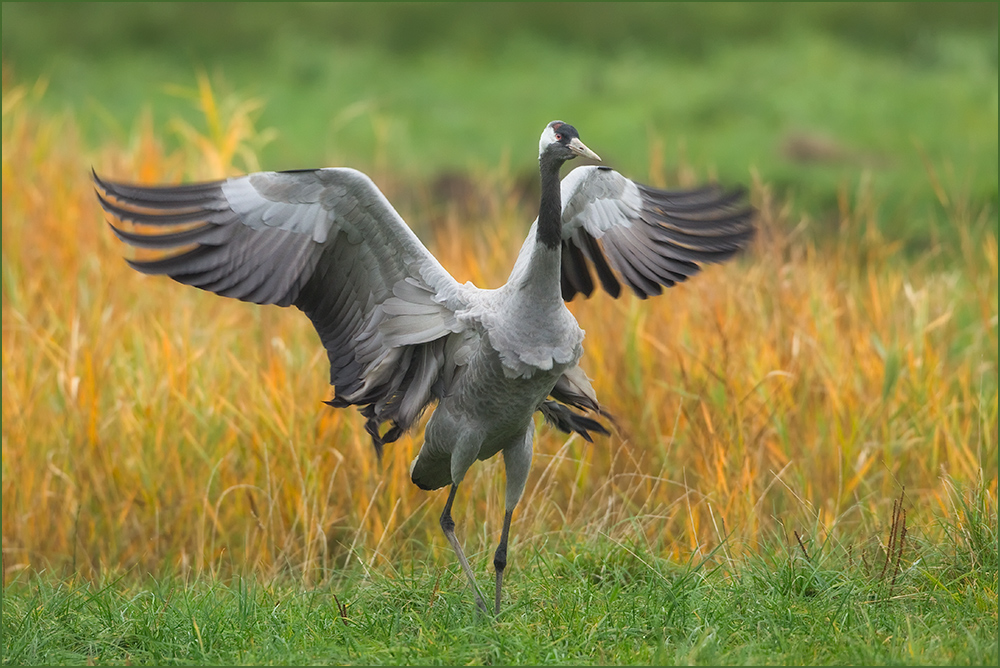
x=151, y=426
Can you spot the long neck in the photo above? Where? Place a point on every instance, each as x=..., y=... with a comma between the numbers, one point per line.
x=537, y=275
x=549, y=232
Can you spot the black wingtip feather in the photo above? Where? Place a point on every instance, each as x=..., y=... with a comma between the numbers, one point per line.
x=576, y=276
x=189, y=196
x=152, y=216
x=171, y=264
x=607, y=277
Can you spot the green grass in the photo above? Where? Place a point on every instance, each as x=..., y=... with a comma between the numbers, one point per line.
x=568, y=602
x=821, y=101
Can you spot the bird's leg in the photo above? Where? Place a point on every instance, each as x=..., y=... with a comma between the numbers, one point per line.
x=500, y=558
x=448, y=526
x=517, y=461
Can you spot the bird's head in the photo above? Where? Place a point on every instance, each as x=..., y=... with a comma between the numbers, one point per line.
x=562, y=142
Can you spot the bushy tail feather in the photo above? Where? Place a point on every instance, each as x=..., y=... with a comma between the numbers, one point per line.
x=568, y=421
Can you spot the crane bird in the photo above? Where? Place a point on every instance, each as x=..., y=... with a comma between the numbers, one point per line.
x=401, y=333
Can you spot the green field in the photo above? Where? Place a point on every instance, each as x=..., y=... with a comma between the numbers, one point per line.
x=598, y=603
x=805, y=465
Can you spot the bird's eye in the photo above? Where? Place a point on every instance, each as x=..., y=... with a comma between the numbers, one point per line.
x=558, y=137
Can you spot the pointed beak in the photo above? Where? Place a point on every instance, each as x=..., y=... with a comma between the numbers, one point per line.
x=580, y=148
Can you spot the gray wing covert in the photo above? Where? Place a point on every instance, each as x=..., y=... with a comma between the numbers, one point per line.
x=647, y=238
x=328, y=242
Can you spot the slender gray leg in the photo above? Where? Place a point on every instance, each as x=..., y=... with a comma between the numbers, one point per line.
x=500, y=558
x=448, y=526
x=517, y=461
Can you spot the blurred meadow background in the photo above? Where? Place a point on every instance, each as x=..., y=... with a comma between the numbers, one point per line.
x=828, y=398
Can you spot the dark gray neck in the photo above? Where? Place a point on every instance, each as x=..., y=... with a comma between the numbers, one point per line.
x=550, y=208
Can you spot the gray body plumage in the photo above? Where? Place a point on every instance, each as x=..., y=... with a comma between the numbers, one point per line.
x=401, y=334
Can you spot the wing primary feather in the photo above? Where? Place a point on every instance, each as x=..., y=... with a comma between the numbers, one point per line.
x=594, y=253
x=640, y=285
x=691, y=200
x=575, y=274
x=731, y=242
x=182, y=263
x=716, y=227
x=163, y=197
x=157, y=217
x=208, y=235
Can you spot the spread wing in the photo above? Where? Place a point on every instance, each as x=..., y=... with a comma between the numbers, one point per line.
x=647, y=238
x=328, y=242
